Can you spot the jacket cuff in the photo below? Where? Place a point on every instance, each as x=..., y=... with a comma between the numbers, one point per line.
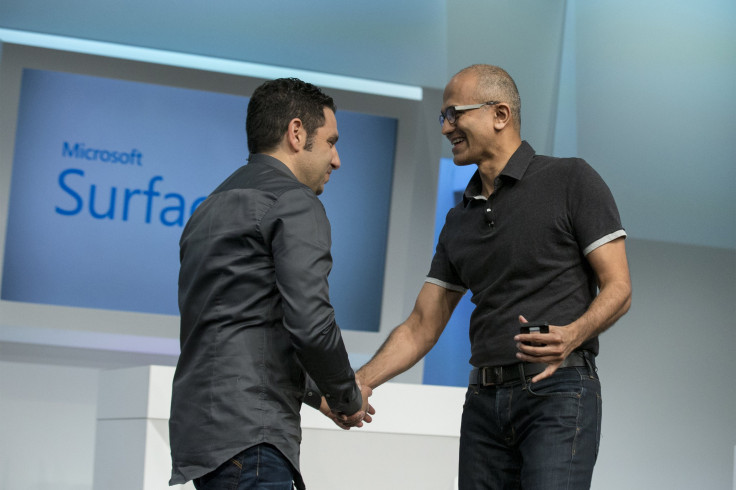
x=312, y=395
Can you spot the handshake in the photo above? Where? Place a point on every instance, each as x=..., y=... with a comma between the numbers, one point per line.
x=345, y=421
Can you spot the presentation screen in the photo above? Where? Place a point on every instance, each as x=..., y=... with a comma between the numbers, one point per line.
x=106, y=172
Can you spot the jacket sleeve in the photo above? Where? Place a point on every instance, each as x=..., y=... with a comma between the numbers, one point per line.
x=312, y=394
x=300, y=240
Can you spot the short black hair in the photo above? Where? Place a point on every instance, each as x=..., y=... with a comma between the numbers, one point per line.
x=275, y=103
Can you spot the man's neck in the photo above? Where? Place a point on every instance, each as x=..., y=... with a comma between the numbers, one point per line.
x=491, y=168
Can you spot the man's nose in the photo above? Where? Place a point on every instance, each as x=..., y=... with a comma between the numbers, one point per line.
x=447, y=126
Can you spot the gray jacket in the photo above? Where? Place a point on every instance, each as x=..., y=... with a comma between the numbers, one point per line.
x=255, y=319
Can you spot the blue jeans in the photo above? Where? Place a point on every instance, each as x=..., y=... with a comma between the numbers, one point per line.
x=541, y=436
x=260, y=467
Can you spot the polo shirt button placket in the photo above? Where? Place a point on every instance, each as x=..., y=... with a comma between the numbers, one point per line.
x=488, y=213
x=489, y=217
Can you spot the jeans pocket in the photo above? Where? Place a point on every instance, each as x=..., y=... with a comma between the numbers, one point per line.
x=472, y=390
x=566, y=382
x=225, y=477
x=559, y=396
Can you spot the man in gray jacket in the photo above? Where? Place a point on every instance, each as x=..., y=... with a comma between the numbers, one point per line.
x=257, y=326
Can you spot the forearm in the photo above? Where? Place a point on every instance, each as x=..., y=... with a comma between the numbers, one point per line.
x=612, y=302
x=411, y=340
x=406, y=346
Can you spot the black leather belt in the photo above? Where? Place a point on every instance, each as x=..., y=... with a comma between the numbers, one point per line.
x=496, y=375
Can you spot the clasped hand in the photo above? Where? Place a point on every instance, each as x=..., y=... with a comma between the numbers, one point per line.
x=345, y=421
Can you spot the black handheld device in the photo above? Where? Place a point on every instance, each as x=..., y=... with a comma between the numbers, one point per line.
x=534, y=328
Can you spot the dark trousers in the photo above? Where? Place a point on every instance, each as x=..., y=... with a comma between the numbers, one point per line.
x=260, y=467
x=541, y=436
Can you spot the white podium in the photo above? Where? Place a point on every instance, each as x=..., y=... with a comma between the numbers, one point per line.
x=412, y=443
x=132, y=439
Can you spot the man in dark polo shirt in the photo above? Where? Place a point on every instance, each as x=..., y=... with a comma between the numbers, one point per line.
x=256, y=320
x=534, y=238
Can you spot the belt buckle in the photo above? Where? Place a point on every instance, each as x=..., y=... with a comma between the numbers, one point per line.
x=496, y=375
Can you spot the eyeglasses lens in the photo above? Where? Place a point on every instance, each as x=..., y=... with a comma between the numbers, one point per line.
x=449, y=115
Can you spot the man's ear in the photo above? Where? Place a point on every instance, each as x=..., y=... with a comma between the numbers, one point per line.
x=502, y=116
x=296, y=135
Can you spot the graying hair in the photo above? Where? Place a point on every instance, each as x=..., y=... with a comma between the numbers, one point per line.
x=494, y=83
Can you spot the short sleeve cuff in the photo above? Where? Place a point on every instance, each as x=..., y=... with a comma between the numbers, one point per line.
x=446, y=285
x=602, y=241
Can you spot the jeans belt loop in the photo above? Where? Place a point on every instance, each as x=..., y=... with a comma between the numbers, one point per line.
x=589, y=359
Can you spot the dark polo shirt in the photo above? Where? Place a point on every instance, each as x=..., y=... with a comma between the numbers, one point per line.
x=522, y=251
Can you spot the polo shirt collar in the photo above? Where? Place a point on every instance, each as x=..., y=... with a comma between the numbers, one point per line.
x=514, y=169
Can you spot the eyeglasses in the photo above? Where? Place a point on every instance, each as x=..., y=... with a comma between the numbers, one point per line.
x=451, y=113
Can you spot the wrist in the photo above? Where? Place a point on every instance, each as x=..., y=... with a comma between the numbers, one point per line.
x=580, y=333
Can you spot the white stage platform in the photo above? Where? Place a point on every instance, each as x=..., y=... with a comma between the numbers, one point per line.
x=412, y=443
